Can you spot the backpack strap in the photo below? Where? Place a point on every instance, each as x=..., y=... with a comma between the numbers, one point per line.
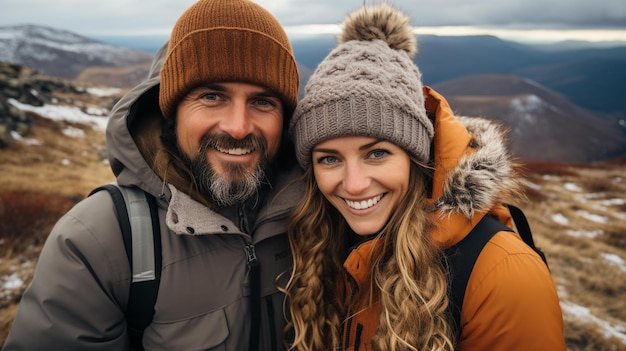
x=139, y=222
x=460, y=260
x=523, y=229
x=461, y=257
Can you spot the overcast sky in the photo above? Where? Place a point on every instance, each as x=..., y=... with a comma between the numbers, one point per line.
x=603, y=19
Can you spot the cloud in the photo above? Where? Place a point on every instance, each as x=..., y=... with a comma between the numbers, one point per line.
x=559, y=13
x=115, y=17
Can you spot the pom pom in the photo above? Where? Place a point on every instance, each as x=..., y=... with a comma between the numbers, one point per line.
x=381, y=21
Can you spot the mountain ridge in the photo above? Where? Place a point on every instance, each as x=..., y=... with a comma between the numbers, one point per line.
x=545, y=124
x=64, y=54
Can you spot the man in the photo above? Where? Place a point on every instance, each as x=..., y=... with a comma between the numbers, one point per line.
x=206, y=139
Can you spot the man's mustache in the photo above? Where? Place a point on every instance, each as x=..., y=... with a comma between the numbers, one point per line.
x=225, y=142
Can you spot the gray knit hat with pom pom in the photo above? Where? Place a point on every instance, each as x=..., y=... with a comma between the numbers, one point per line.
x=367, y=86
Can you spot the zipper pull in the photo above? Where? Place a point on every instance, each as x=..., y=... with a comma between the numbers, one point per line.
x=251, y=255
x=254, y=267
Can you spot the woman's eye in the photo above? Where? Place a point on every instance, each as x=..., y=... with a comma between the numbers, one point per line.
x=327, y=160
x=378, y=153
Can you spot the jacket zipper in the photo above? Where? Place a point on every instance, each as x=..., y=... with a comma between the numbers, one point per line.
x=253, y=266
x=347, y=331
x=348, y=325
x=255, y=293
x=357, y=338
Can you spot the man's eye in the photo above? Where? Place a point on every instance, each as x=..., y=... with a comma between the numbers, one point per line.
x=264, y=103
x=210, y=96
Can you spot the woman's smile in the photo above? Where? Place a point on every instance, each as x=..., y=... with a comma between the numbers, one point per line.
x=364, y=178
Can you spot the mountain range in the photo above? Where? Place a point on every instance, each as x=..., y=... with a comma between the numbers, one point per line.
x=560, y=104
x=60, y=53
x=589, y=76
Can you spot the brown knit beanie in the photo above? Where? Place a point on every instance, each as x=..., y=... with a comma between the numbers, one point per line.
x=367, y=86
x=228, y=40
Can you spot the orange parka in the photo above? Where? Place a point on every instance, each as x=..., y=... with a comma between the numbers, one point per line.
x=511, y=302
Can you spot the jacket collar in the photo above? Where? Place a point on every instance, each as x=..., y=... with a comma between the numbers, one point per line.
x=474, y=173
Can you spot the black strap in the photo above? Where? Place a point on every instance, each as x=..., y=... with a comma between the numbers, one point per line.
x=122, y=216
x=523, y=229
x=461, y=258
x=142, y=296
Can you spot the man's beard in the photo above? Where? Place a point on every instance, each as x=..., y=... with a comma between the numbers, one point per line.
x=237, y=183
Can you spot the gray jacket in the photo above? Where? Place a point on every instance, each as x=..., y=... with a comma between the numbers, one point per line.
x=79, y=292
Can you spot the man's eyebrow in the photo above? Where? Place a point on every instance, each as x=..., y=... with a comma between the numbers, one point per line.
x=264, y=92
x=267, y=93
x=213, y=86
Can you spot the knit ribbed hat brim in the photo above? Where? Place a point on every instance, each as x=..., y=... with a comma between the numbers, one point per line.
x=359, y=116
x=228, y=40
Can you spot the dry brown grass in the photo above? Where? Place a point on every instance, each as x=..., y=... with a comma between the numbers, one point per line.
x=580, y=223
x=26, y=218
x=116, y=76
x=59, y=164
x=34, y=184
x=38, y=184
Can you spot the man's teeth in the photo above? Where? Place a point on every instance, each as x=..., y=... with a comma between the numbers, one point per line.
x=237, y=151
x=361, y=205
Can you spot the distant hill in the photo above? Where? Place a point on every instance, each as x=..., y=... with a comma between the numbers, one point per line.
x=591, y=77
x=64, y=54
x=595, y=82
x=544, y=125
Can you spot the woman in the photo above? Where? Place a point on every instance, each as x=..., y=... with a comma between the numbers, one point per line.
x=392, y=179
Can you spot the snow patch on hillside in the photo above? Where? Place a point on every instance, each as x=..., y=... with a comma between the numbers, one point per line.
x=67, y=113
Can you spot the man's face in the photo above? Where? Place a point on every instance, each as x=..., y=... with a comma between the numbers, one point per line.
x=229, y=132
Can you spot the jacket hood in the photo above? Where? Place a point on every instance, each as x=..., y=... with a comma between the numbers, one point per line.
x=474, y=173
x=127, y=161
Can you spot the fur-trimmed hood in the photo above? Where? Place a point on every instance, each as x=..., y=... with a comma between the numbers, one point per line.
x=474, y=173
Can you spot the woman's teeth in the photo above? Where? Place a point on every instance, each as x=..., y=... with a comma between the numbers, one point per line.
x=361, y=205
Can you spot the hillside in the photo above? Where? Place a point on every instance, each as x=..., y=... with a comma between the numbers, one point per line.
x=544, y=125
x=59, y=53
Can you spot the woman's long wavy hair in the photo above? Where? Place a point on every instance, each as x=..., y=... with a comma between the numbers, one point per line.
x=408, y=275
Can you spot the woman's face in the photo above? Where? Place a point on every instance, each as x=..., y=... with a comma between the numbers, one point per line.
x=364, y=178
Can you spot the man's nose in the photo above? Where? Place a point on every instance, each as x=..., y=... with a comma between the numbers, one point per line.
x=237, y=122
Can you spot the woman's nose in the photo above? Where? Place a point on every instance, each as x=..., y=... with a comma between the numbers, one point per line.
x=355, y=178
